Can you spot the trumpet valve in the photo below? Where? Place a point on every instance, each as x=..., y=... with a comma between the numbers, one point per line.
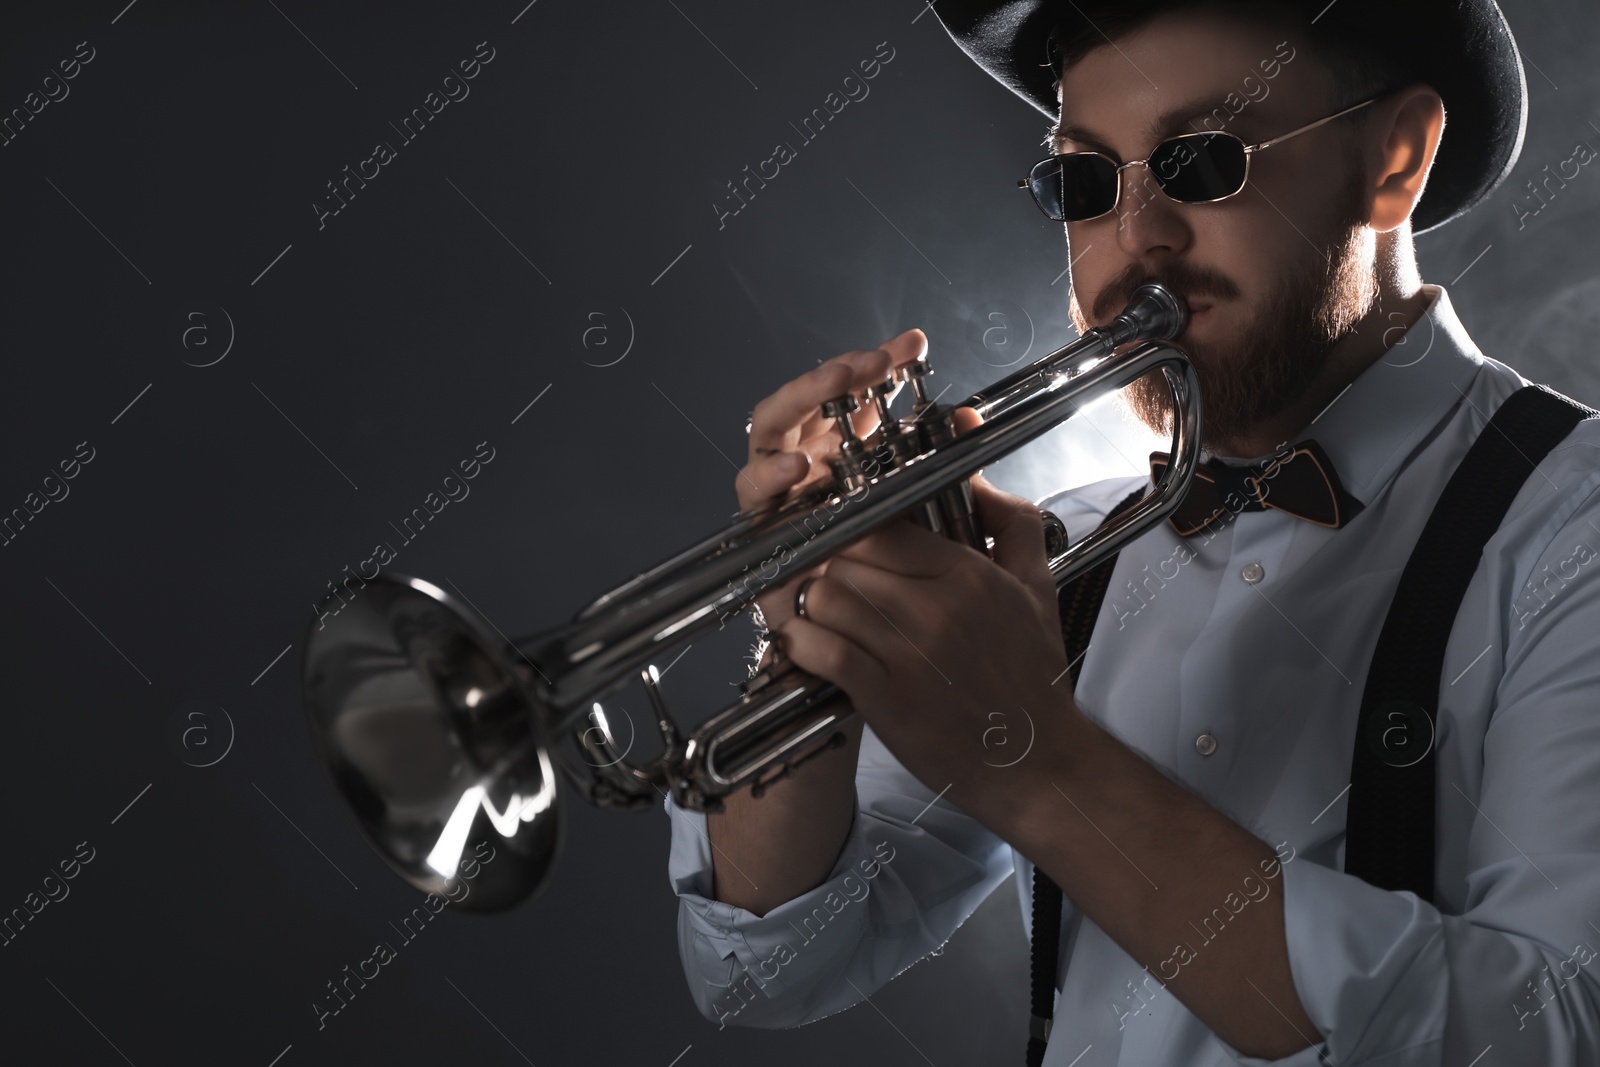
x=837, y=409
x=916, y=373
x=880, y=395
x=849, y=467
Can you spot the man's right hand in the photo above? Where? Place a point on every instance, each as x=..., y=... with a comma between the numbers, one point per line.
x=791, y=441
x=787, y=841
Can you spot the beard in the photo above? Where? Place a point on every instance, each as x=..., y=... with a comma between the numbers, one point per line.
x=1249, y=378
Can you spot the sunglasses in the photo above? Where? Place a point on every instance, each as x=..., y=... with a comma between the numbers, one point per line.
x=1193, y=168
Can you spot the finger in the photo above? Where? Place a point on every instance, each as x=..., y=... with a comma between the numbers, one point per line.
x=776, y=600
x=890, y=554
x=793, y=413
x=880, y=611
x=1017, y=528
x=766, y=479
x=908, y=346
x=788, y=416
x=826, y=654
x=882, y=615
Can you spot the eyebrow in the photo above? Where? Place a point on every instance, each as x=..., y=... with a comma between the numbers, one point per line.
x=1164, y=125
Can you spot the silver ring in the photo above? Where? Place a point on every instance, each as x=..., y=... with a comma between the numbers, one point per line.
x=800, y=598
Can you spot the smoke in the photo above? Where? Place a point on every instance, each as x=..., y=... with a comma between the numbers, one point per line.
x=1559, y=345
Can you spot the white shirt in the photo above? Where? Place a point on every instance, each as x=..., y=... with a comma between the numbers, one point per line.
x=1273, y=671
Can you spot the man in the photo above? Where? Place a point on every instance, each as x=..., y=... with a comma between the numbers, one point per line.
x=1189, y=794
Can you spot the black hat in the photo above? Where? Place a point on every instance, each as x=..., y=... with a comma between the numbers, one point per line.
x=1463, y=48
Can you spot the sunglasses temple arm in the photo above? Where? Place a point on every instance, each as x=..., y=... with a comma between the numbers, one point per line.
x=1309, y=126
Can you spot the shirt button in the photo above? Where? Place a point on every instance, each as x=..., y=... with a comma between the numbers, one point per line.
x=1252, y=573
x=1205, y=744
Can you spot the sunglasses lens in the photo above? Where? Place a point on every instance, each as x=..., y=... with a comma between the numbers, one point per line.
x=1074, y=187
x=1199, y=167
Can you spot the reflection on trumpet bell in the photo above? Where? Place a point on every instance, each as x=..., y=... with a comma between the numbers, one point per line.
x=438, y=732
x=425, y=729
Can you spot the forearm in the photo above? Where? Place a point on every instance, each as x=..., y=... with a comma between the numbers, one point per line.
x=768, y=850
x=1150, y=863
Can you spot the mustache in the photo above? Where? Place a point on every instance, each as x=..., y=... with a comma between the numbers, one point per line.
x=1185, y=280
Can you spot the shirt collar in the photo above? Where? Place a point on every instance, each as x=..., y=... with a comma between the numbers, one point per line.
x=1370, y=428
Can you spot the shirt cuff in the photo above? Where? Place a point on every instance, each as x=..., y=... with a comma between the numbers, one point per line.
x=771, y=970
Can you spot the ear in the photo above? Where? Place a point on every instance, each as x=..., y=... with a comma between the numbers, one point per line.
x=1405, y=137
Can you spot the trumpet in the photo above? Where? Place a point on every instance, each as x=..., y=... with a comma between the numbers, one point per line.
x=438, y=731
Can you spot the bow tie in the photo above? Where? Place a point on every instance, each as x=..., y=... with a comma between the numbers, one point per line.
x=1302, y=483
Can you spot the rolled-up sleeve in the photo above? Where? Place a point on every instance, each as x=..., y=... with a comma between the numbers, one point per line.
x=1514, y=979
x=912, y=869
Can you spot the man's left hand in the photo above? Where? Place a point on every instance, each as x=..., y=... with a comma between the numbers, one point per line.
x=954, y=659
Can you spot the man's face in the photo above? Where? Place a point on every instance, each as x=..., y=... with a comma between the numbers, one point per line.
x=1281, y=270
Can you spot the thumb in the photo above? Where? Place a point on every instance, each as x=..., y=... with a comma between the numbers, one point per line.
x=966, y=419
x=1017, y=529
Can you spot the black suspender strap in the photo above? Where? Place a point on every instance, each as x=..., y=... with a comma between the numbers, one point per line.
x=1389, y=839
x=1079, y=604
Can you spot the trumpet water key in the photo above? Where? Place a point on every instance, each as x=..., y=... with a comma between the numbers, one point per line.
x=438, y=732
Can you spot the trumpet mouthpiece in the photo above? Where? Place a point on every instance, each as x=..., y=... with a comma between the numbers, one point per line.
x=1154, y=313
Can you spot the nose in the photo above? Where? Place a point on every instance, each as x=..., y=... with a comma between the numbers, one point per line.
x=1150, y=224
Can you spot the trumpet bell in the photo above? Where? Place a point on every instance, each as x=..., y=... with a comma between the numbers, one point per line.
x=434, y=737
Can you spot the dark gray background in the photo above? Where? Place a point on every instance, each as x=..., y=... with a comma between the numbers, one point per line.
x=377, y=352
